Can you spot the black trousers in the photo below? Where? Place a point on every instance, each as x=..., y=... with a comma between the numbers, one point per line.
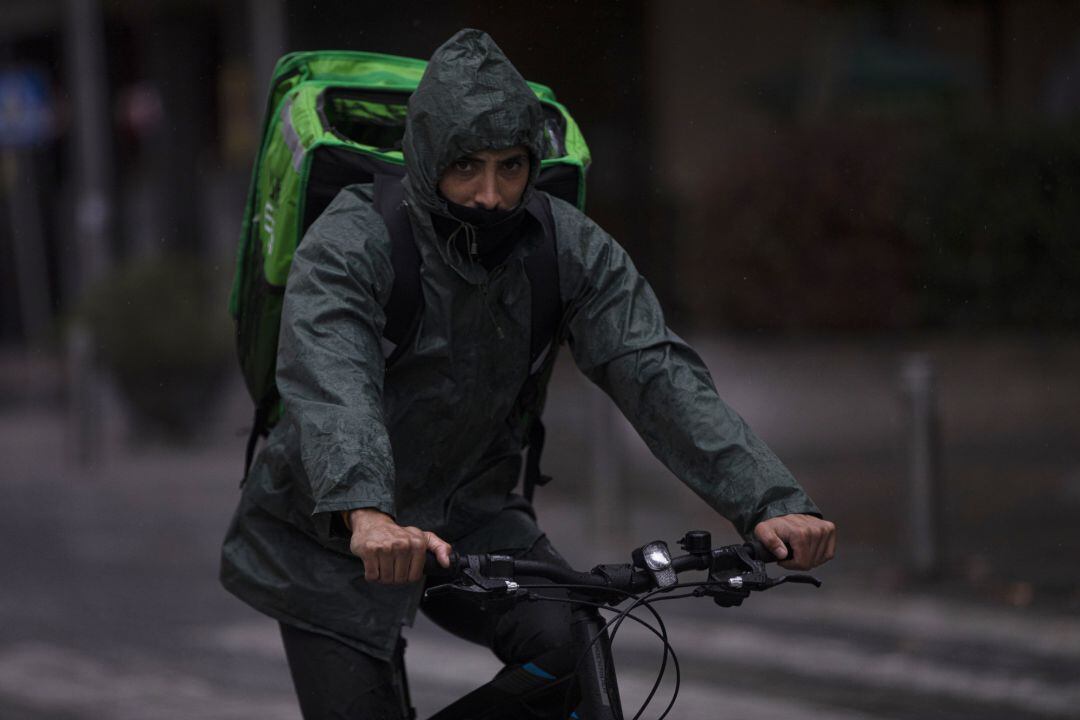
x=336, y=681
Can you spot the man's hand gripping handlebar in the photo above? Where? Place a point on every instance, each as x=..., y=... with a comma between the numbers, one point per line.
x=392, y=554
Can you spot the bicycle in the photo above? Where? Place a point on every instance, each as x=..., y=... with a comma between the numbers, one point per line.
x=734, y=572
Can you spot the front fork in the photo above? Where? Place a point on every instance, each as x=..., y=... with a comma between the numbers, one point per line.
x=596, y=672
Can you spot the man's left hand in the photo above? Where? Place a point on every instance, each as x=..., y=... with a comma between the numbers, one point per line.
x=812, y=540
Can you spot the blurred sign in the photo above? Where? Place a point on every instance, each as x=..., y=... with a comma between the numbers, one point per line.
x=26, y=108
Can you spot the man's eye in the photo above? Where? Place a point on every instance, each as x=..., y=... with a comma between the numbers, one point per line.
x=463, y=166
x=513, y=165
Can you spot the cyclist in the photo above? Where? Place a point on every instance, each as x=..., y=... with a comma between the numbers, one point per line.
x=367, y=470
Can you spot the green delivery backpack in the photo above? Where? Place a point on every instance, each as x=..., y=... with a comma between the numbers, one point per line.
x=335, y=118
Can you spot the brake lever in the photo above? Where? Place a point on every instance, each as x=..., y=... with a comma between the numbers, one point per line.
x=735, y=574
x=498, y=599
x=490, y=593
x=444, y=589
x=500, y=566
x=797, y=578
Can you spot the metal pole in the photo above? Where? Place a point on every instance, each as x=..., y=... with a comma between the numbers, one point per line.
x=28, y=242
x=267, y=45
x=85, y=46
x=84, y=38
x=923, y=536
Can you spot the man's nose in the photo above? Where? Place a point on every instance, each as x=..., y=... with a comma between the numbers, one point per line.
x=487, y=194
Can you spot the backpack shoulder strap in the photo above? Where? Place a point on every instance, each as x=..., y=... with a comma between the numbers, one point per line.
x=403, y=307
x=542, y=269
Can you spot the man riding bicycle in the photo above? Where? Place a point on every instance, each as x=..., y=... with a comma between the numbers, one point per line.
x=369, y=469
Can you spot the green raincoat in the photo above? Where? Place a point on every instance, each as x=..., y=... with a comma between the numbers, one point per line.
x=436, y=441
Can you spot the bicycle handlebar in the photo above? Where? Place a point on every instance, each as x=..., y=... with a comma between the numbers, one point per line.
x=499, y=570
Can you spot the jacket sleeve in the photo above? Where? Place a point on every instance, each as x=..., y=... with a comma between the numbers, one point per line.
x=330, y=360
x=618, y=338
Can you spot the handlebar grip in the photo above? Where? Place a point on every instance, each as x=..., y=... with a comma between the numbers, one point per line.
x=432, y=568
x=762, y=553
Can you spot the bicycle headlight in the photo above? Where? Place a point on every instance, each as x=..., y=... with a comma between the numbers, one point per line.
x=656, y=558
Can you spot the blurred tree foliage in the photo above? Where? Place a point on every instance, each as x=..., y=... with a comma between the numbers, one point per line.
x=803, y=235
x=864, y=226
x=993, y=216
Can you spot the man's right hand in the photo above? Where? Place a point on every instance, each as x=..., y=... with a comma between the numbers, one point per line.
x=392, y=555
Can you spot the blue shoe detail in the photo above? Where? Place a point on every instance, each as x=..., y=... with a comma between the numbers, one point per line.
x=537, y=671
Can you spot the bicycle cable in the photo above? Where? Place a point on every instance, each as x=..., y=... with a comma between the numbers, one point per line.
x=646, y=600
x=668, y=648
x=622, y=615
x=639, y=600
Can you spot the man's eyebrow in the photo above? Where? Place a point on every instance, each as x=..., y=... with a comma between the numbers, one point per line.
x=474, y=158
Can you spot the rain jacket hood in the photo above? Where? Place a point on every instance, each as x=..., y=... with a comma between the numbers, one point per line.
x=470, y=98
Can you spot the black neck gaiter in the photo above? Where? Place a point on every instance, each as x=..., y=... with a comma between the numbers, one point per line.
x=492, y=232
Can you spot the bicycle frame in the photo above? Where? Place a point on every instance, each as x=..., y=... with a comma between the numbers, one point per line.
x=599, y=689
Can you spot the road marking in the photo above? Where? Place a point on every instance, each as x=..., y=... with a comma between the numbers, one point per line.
x=454, y=667
x=427, y=657
x=833, y=660
x=841, y=660
x=52, y=678
x=55, y=679
x=925, y=617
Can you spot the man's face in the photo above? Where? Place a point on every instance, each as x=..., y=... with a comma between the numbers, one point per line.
x=487, y=179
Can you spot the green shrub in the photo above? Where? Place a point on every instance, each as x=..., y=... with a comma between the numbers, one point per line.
x=161, y=328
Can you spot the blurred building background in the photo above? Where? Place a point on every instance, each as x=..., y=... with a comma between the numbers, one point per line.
x=864, y=214
x=834, y=154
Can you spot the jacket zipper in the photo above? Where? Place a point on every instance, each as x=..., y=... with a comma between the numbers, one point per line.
x=474, y=253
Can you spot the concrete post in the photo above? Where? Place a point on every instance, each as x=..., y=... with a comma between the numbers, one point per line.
x=922, y=531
